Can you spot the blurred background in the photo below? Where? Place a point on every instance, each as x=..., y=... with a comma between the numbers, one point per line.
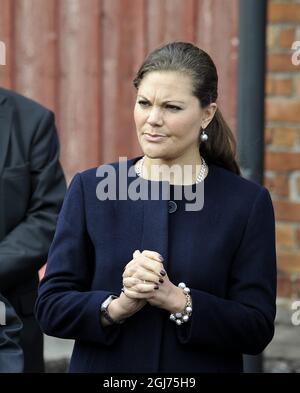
x=78, y=58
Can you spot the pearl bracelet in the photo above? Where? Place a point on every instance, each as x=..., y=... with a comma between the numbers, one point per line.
x=184, y=316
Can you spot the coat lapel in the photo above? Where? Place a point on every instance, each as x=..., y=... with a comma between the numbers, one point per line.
x=155, y=227
x=6, y=113
x=144, y=222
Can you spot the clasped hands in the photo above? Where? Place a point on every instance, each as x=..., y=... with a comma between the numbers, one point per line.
x=146, y=281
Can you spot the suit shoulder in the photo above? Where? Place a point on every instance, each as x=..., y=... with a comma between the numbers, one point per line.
x=234, y=184
x=22, y=103
x=91, y=177
x=95, y=171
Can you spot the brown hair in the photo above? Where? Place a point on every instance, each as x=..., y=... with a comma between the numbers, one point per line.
x=220, y=148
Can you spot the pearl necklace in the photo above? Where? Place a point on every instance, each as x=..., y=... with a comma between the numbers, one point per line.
x=200, y=177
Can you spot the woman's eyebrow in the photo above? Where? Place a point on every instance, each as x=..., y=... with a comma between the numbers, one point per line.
x=163, y=102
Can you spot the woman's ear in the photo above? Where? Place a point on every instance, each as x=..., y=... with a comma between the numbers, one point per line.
x=209, y=113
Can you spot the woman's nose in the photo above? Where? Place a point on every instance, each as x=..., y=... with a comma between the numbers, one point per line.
x=155, y=117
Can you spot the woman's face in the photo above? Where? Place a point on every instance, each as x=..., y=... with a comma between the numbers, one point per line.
x=168, y=116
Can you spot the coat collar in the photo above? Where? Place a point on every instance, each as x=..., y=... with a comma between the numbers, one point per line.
x=6, y=115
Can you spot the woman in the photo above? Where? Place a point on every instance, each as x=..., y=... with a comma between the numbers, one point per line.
x=147, y=284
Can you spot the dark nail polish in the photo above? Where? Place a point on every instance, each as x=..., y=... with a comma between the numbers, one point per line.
x=163, y=273
x=156, y=287
x=161, y=280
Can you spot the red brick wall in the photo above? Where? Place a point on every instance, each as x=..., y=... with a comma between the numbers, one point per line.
x=282, y=136
x=79, y=58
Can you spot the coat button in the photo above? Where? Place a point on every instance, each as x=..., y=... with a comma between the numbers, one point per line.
x=172, y=206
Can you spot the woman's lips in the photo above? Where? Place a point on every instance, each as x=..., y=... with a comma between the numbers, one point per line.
x=154, y=137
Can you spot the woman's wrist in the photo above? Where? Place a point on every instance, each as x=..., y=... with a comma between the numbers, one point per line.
x=107, y=312
x=177, y=300
x=116, y=311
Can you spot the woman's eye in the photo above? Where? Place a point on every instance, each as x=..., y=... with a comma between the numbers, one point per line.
x=173, y=108
x=144, y=103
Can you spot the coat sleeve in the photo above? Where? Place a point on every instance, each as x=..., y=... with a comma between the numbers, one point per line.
x=66, y=307
x=24, y=250
x=11, y=354
x=244, y=321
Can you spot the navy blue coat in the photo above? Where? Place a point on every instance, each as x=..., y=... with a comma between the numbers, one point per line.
x=230, y=267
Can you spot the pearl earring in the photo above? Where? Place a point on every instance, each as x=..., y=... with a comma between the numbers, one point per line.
x=203, y=136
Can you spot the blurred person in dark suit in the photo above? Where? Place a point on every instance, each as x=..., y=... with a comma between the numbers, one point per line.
x=32, y=187
x=11, y=354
